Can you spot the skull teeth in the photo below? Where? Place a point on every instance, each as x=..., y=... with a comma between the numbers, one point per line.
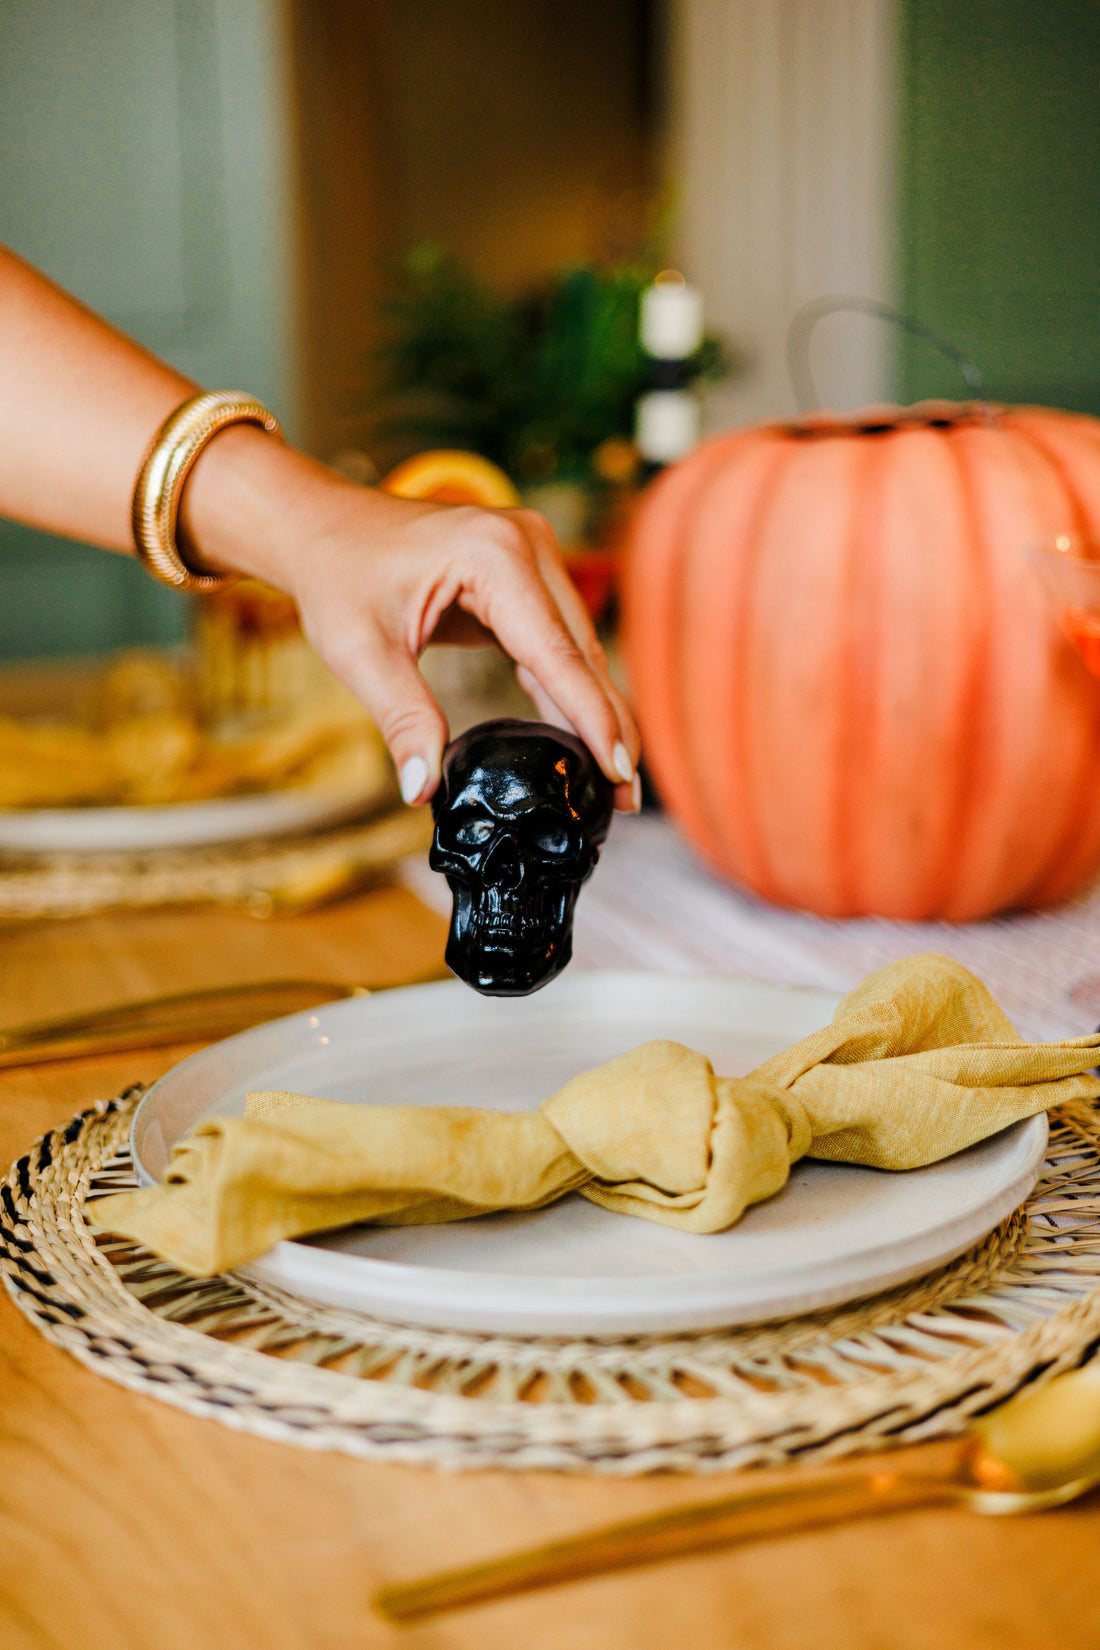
x=506, y=924
x=492, y=923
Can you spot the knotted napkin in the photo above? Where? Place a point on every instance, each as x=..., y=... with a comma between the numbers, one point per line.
x=917, y=1063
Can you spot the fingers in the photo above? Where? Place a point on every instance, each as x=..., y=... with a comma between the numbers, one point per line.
x=461, y=574
x=628, y=798
x=576, y=616
x=463, y=629
x=384, y=677
x=547, y=709
x=509, y=596
x=579, y=622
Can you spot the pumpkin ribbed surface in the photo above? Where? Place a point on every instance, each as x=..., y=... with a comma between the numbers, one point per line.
x=852, y=692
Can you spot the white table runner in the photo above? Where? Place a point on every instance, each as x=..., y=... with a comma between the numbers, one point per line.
x=651, y=903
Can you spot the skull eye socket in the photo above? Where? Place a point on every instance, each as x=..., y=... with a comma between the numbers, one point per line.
x=472, y=831
x=551, y=836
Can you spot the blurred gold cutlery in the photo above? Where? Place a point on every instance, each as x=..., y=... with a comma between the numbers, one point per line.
x=1039, y=1450
x=183, y=1017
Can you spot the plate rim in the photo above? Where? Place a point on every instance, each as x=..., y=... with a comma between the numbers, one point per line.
x=315, y=805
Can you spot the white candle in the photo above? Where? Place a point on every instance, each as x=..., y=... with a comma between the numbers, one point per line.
x=671, y=318
x=667, y=426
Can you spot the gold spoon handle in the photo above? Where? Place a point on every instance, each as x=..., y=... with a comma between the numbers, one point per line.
x=748, y=1516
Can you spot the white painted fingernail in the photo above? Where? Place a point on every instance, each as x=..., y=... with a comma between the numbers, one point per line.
x=414, y=776
x=622, y=764
x=637, y=793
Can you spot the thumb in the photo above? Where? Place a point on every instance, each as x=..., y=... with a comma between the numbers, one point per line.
x=415, y=730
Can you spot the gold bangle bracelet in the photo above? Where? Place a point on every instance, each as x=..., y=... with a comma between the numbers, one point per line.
x=166, y=466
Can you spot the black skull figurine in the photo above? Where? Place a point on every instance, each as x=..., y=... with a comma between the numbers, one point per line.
x=519, y=819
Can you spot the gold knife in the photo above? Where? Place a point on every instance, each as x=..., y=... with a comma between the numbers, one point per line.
x=182, y=1017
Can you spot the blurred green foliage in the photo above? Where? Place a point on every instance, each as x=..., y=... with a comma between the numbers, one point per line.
x=534, y=383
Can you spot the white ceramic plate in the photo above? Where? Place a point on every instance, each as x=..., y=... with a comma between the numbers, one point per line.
x=834, y=1233
x=50, y=689
x=177, y=824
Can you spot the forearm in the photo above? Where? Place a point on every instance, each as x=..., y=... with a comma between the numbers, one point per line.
x=79, y=405
x=376, y=578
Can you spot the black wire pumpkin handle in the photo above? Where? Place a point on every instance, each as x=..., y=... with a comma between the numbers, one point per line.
x=798, y=345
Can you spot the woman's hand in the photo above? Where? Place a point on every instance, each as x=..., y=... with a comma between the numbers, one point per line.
x=377, y=578
x=386, y=580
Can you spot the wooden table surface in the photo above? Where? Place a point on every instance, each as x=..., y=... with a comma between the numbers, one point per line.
x=126, y=1525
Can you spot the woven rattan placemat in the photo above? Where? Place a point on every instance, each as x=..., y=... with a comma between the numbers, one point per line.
x=264, y=877
x=910, y=1364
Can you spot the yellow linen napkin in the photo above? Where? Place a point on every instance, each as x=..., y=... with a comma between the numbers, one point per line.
x=917, y=1063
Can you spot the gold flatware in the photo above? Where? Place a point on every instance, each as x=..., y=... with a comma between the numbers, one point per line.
x=183, y=1017
x=1039, y=1450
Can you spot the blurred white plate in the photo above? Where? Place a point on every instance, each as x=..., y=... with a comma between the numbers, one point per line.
x=178, y=824
x=833, y=1234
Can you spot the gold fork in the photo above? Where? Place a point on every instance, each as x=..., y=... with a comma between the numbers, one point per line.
x=1039, y=1450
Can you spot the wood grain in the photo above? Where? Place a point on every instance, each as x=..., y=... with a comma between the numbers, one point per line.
x=127, y=1525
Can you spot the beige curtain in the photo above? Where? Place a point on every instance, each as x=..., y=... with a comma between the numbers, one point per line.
x=781, y=140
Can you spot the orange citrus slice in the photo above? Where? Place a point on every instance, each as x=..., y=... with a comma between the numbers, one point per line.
x=449, y=476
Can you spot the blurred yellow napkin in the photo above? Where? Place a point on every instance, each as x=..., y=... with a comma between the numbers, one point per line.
x=917, y=1063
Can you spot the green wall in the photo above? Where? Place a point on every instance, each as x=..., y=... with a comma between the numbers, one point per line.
x=999, y=232
x=57, y=597
x=143, y=166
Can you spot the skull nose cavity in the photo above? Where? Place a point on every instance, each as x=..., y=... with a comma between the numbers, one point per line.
x=502, y=866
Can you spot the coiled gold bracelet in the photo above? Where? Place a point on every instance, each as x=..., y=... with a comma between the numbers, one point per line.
x=166, y=466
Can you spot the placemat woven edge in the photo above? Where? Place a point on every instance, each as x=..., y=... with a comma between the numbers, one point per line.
x=73, y=1293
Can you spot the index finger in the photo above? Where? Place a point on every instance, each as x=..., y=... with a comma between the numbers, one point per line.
x=509, y=595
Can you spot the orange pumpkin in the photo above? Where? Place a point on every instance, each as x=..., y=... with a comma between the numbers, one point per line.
x=852, y=693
